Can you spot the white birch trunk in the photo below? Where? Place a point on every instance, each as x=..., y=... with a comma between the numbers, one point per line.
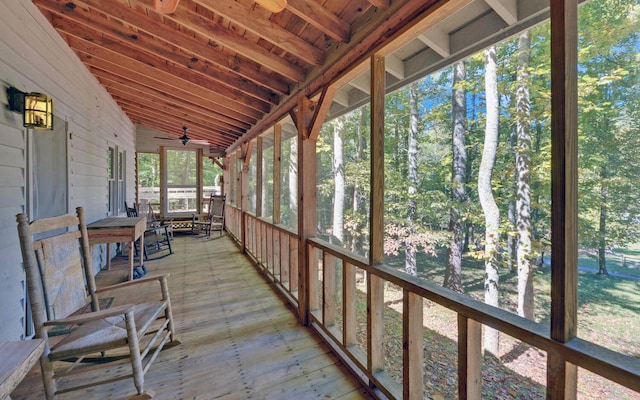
x=338, y=186
x=411, y=267
x=485, y=194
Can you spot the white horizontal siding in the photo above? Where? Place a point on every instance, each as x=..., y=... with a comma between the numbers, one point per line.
x=33, y=57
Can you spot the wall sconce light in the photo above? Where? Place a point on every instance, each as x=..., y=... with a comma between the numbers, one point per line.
x=36, y=108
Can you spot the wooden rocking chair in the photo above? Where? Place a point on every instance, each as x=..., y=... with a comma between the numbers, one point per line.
x=213, y=220
x=63, y=293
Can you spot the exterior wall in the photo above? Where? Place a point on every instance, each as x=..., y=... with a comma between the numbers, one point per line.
x=33, y=57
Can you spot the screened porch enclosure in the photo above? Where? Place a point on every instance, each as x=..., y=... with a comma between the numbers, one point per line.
x=424, y=199
x=351, y=281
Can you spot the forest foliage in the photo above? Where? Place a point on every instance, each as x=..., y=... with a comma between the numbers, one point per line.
x=609, y=202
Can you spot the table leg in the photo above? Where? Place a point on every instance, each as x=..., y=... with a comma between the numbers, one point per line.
x=141, y=252
x=131, y=254
x=108, y=256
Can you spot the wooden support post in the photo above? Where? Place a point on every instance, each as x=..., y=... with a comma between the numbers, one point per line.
x=562, y=376
x=199, y=179
x=244, y=194
x=469, y=359
x=376, y=255
x=163, y=181
x=232, y=179
x=306, y=203
x=259, y=176
x=277, y=181
x=412, y=346
x=375, y=285
x=329, y=290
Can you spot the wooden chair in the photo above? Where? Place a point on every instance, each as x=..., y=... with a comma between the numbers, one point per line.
x=157, y=237
x=61, y=287
x=213, y=220
x=156, y=218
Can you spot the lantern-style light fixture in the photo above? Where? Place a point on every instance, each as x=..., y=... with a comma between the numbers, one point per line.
x=36, y=108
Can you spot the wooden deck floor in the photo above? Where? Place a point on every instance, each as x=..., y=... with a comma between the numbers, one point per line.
x=239, y=339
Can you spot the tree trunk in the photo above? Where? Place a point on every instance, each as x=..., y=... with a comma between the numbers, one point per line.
x=411, y=251
x=453, y=271
x=338, y=186
x=602, y=229
x=485, y=194
x=355, y=242
x=523, y=168
x=512, y=235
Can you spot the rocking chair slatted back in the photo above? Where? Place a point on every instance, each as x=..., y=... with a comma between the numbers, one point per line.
x=58, y=263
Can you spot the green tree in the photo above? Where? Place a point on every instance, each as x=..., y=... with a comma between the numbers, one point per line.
x=608, y=197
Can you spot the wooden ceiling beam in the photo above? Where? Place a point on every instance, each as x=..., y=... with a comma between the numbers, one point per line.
x=167, y=83
x=103, y=32
x=319, y=17
x=175, y=110
x=154, y=66
x=170, y=129
x=187, y=111
x=111, y=80
x=173, y=126
x=203, y=128
x=264, y=28
x=167, y=34
x=212, y=31
x=212, y=131
x=371, y=32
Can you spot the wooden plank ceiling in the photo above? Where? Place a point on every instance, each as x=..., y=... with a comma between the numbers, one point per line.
x=216, y=66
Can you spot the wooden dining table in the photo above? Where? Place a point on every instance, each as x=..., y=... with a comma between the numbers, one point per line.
x=119, y=230
x=18, y=358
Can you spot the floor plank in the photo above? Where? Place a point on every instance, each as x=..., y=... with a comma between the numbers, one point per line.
x=239, y=339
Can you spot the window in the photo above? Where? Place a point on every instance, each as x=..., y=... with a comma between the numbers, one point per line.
x=148, y=179
x=182, y=181
x=116, y=161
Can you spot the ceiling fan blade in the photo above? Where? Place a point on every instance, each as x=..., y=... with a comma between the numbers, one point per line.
x=194, y=141
x=275, y=6
x=165, y=6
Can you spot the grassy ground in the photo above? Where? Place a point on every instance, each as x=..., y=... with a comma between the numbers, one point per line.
x=608, y=312
x=621, y=261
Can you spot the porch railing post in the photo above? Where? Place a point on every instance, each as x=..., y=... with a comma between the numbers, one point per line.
x=561, y=375
x=306, y=202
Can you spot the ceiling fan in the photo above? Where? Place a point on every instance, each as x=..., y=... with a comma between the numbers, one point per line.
x=169, y=6
x=184, y=138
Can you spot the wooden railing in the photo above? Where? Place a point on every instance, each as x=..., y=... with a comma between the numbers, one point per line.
x=274, y=249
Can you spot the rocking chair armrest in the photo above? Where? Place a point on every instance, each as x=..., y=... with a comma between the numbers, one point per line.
x=122, y=285
x=92, y=316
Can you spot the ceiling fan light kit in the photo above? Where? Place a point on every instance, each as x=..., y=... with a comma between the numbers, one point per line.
x=165, y=6
x=275, y=6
